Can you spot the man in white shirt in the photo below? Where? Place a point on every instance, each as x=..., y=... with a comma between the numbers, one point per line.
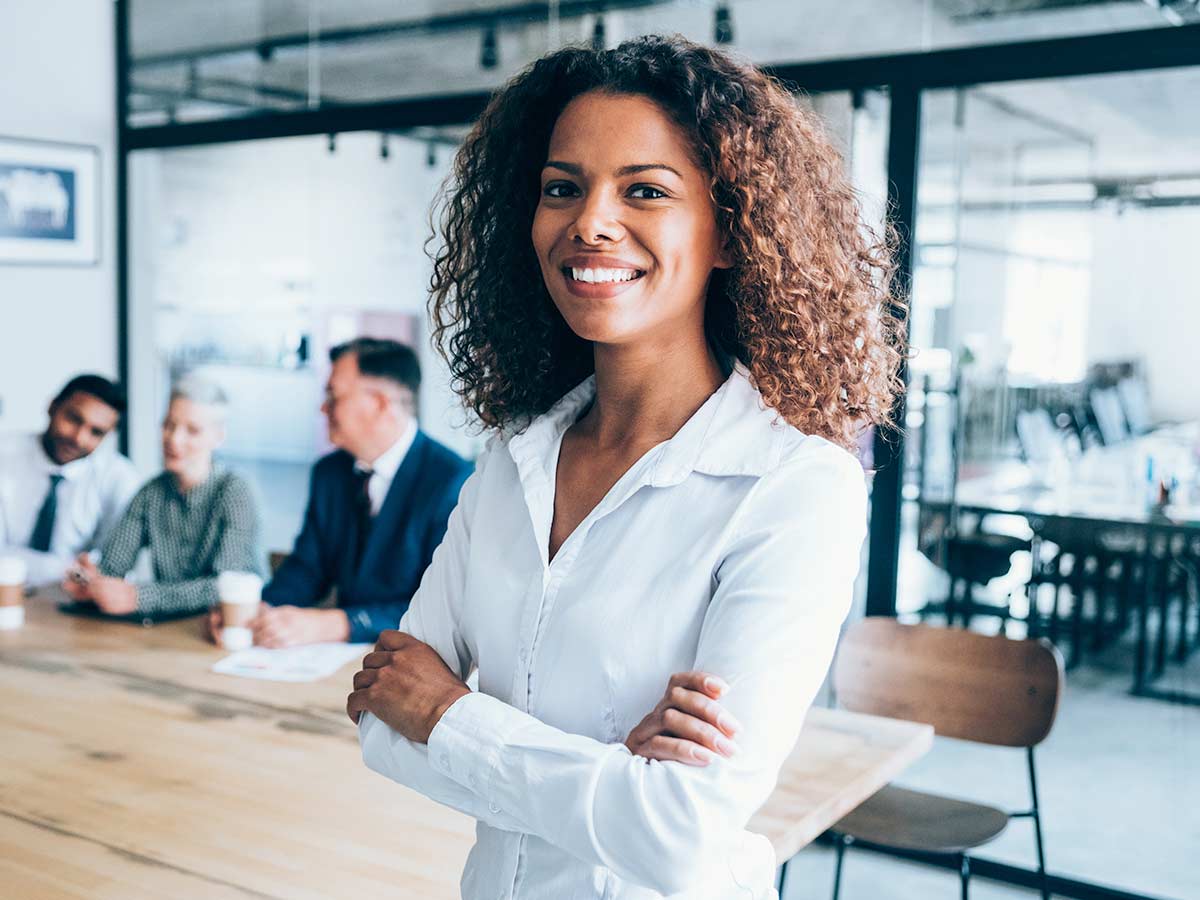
x=62, y=490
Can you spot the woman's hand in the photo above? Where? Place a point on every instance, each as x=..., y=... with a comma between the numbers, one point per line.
x=405, y=684
x=76, y=583
x=687, y=725
x=115, y=596
x=213, y=623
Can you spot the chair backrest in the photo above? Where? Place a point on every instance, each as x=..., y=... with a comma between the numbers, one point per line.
x=1110, y=419
x=1039, y=439
x=993, y=690
x=1135, y=403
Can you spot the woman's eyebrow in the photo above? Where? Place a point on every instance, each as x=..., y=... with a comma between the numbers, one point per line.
x=646, y=167
x=573, y=169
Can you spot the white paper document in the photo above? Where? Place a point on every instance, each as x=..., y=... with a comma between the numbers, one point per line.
x=310, y=662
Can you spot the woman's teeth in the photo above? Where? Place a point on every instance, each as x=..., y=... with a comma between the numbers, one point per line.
x=596, y=276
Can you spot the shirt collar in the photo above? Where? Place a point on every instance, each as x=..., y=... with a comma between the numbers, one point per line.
x=732, y=433
x=72, y=470
x=387, y=464
x=198, y=495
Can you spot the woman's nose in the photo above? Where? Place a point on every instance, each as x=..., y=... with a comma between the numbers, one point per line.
x=598, y=221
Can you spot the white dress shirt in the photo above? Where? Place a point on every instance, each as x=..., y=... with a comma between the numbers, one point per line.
x=383, y=470
x=731, y=548
x=91, y=498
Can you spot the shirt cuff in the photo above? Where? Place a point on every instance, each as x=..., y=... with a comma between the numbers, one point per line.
x=467, y=742
x=362, y=629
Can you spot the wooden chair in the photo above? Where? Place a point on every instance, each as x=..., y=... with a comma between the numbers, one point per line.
x=992, y=690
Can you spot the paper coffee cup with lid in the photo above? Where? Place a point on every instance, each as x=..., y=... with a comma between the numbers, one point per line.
x=12, y=592
x=239, y=594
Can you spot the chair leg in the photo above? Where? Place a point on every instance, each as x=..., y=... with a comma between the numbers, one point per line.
x=841, y=842
x=1043, y=878
x=779, y=883
x=964, y=867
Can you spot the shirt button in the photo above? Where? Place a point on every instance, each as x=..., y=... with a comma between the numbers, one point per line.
x=493, y=808
x=524, y=656
x=473, y=780
x=445, y=760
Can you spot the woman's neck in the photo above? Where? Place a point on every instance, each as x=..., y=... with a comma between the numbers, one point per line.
x=187, y=480
x=645, y=393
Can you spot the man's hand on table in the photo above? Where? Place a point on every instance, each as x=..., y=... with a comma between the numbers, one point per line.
x=289, y=626
x=406, y=685
x=688, y=725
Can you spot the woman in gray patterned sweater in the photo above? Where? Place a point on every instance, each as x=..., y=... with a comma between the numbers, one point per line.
x=196, y=518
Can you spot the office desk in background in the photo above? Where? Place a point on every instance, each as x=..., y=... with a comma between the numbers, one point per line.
x=129, y=770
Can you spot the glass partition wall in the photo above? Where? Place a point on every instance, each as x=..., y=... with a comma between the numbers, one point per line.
x=1053, y=436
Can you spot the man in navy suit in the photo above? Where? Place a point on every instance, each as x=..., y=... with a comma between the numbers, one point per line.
x=377, y=506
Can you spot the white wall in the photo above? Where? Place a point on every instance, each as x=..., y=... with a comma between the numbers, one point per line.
x=56, y=83
x=236, y=244
x=1146, y=301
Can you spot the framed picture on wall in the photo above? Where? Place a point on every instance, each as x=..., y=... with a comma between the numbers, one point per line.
x=49, y=203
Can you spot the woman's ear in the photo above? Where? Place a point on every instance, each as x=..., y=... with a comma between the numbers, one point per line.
x=724, y=256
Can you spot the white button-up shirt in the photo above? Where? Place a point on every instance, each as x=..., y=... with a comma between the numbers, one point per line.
x=731, y=548
x=91, y=498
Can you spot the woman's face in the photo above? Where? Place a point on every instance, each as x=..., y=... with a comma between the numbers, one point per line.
x=625, y=229
x=190, y=433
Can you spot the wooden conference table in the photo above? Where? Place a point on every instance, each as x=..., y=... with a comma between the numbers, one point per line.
x=129, y=770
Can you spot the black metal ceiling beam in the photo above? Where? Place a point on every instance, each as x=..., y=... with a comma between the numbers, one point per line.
x=1150, y=48
x=1145, y=48
x=398, y=114
x=1002, y=9
x=521, y=13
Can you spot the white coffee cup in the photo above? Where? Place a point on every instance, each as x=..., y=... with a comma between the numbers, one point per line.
x=240, y=594
x=13, y=573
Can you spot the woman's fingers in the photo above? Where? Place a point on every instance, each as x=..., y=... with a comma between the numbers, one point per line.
x=365, y=678
x=377, y=659
x=356, y=705
x=672, y=749
x=702, y=707
x=690, y=728
x=704, y=682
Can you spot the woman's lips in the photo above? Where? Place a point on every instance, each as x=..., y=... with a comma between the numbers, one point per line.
x=599, y=290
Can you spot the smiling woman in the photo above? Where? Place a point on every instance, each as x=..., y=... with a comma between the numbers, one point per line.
x=656, y=290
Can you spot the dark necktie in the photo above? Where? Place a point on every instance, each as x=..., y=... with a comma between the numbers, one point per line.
x=362, y=503
x=43, y=528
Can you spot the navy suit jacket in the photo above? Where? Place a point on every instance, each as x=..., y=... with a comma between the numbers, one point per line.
x=404, y=534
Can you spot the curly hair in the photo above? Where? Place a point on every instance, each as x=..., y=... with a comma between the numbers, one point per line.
x=805, y=307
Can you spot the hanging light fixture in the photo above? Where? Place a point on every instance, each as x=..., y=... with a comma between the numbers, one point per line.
x=489, y=53
x=723, y=24
x=431, y=155
x=332, y=142
x=599, y=37
x=384, y=150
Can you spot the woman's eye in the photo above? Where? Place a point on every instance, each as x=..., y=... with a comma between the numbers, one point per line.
x=646, y=192
x=559, y=189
